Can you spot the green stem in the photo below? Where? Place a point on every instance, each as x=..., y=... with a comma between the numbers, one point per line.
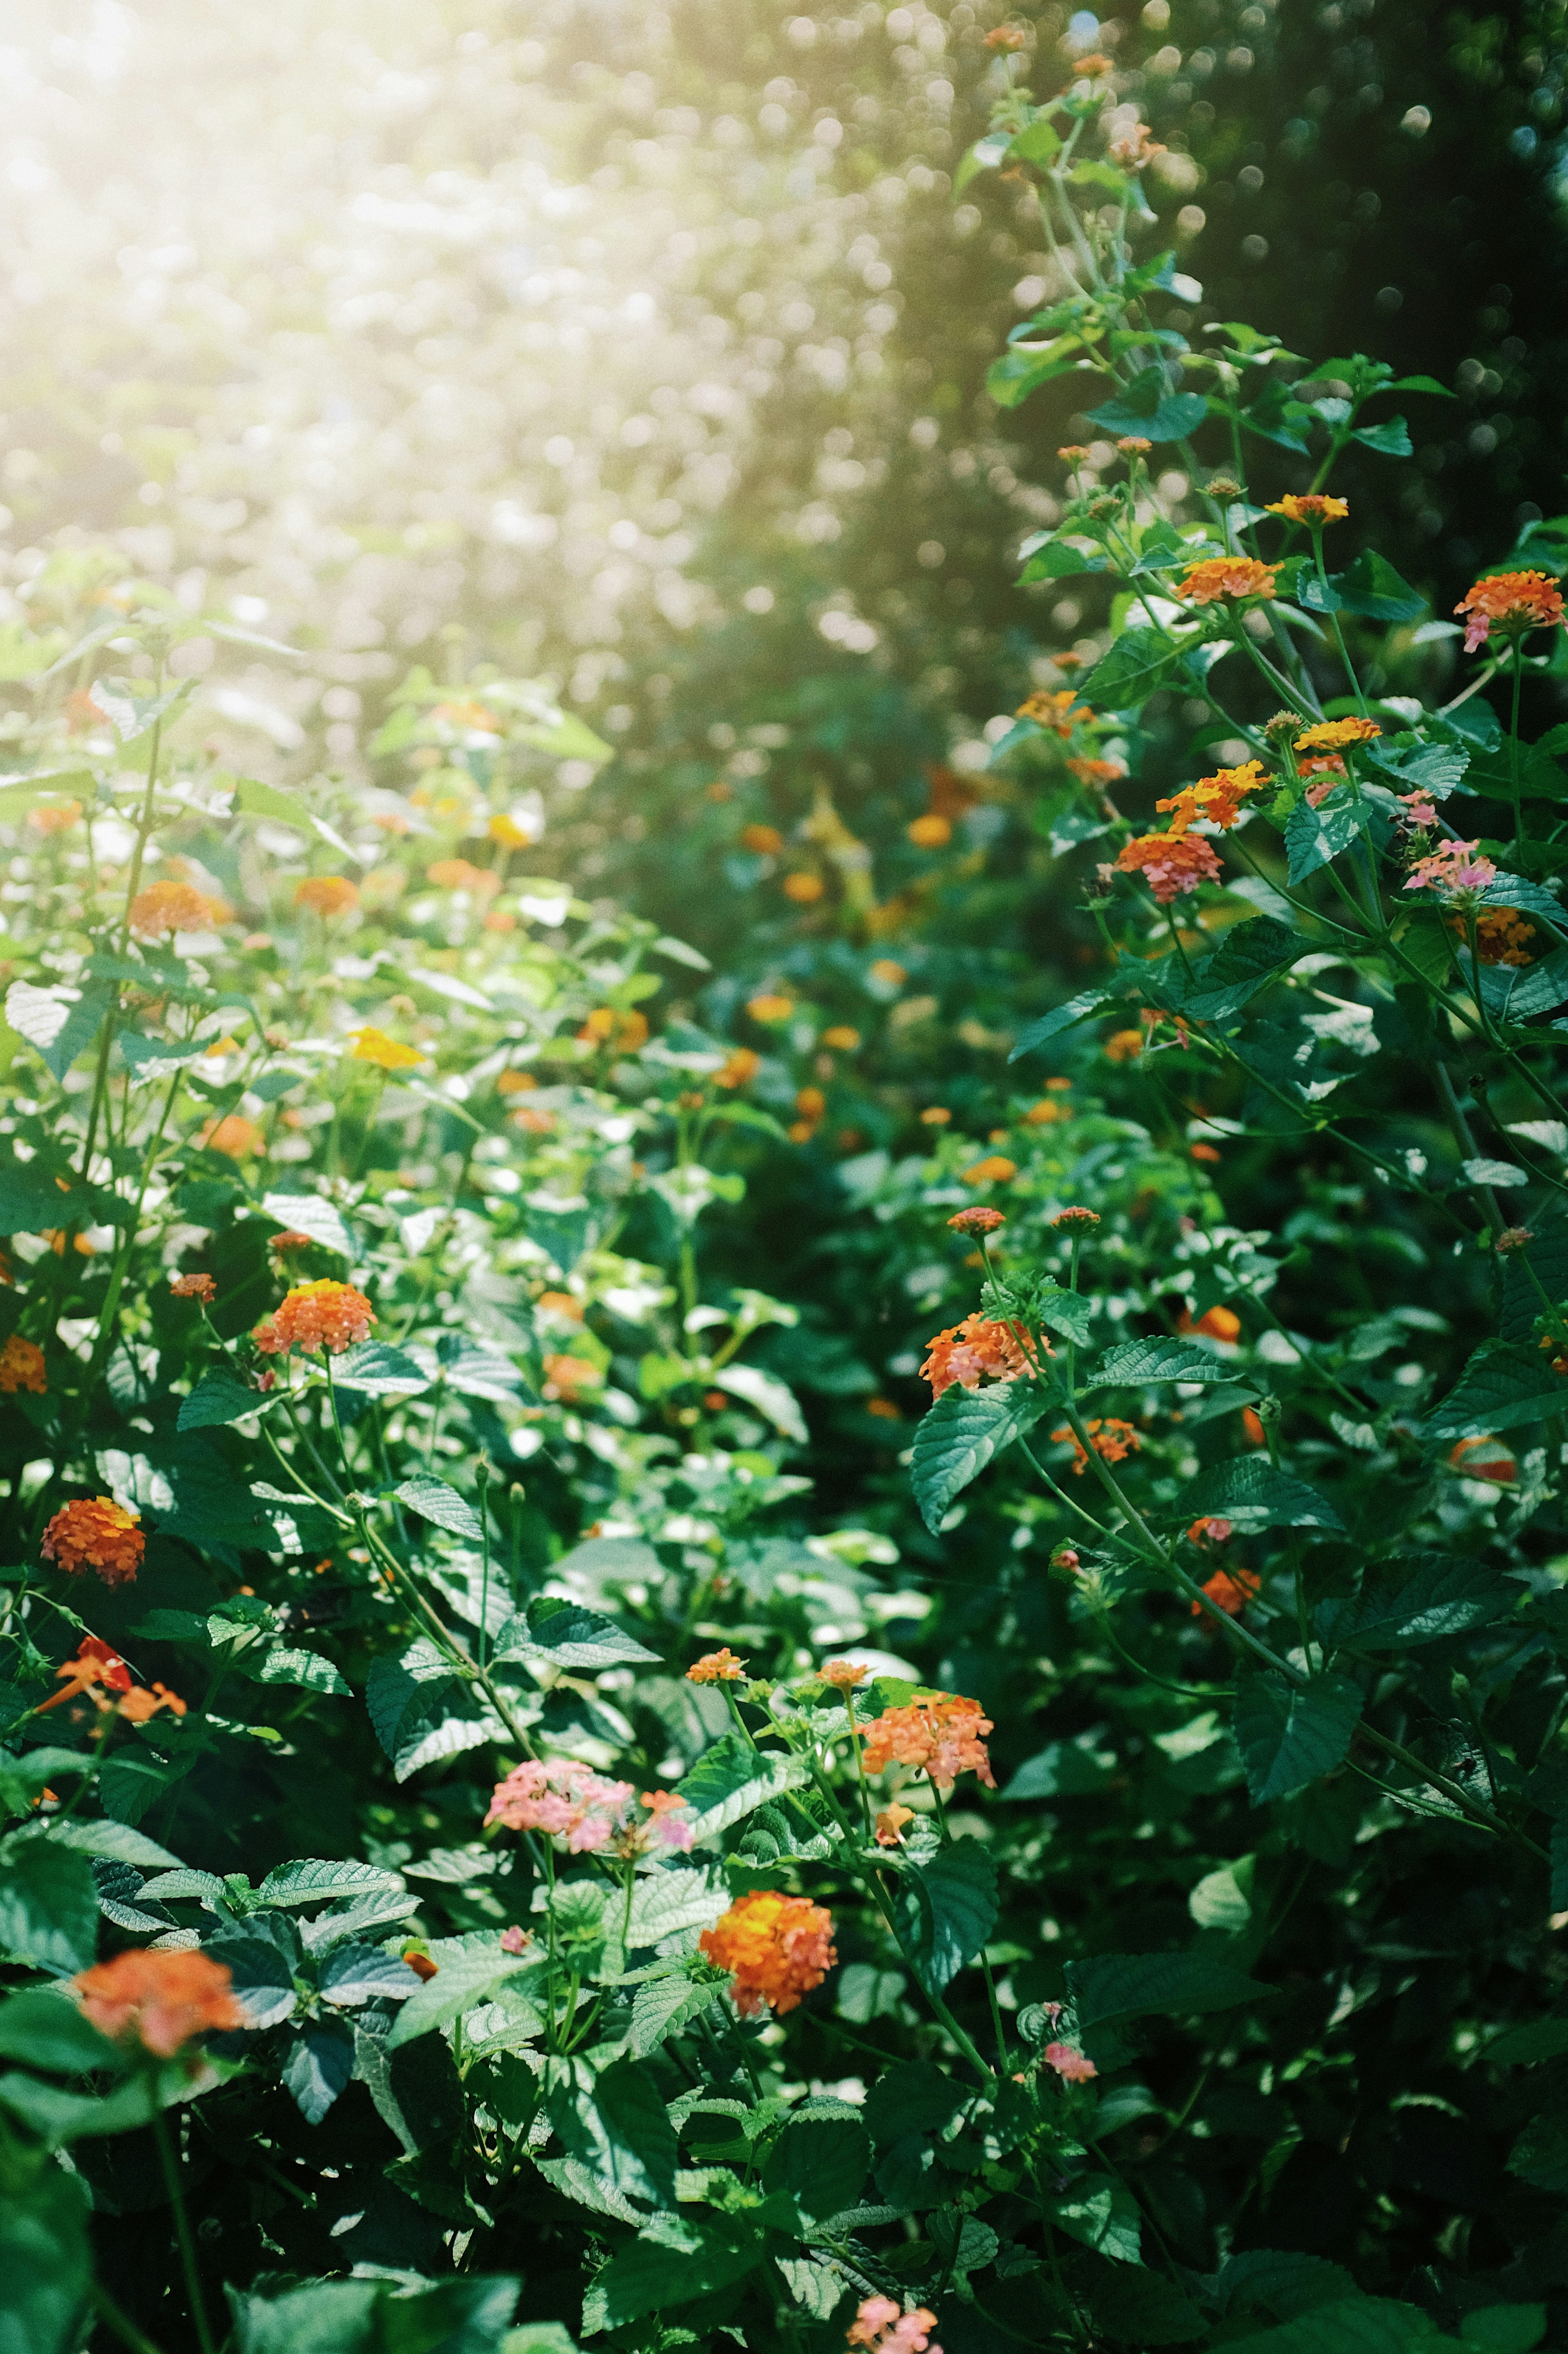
x=183, y=2232
x=123, y=2327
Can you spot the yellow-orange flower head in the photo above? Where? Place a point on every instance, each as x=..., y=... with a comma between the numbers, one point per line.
x=329, y=895
x=373, y=1045
x=95, y=1533
x=940, y=1734
x=1334, y=735
x=1238, y=577
x=1314, y=508
x=1515, y=602
x=159, y=2001
x=1216, y=798
x=777, y=1949
x=313, y=1316
x=716, y=1668
x=22, y=1367
x=171, y=907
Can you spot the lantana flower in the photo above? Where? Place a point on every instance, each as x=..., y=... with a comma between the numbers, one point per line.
x=1070, y=2065
x=1334, y=735
x=1238, y=578
x=95, y=1533
x=1113, y=1441
x=159, y=2001
x=1314, y=508
x=328, y=895
x=971, y=1351
x=373, y=1045
x=1453, y=866
x=1229, y=1590
x=887, y=2328
x=1173, y=864
x=313, y=1316
x=193, y=1286
x=716, y=1668
x=564, y=1799
x=1512, y=602
x=172, y=908
x=1058, y=709
x=1500, y=936
x=22, y=1367
x=1216, y=800
x=775, y=1947
x=940, y=1734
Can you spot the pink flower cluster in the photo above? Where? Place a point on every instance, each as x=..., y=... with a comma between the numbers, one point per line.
x=569, y=1801
x=881, y=2324
x=1455, y=867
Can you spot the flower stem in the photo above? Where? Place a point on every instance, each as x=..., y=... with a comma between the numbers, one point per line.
x=183, y=2233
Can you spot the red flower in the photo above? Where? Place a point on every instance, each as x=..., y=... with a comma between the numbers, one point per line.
x=159, y=2001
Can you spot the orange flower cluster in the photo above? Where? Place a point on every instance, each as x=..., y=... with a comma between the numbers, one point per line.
x=57, y=817
x=716, y=1668
x=159, y=2001
x=1514, y=601
x=97, y=1665
x=95, y=1533
x=1334, y=735
x=941, y=1734
x=566, y=1378
x=608, y=1026
x=1174, y=864
x=316, y=1315
x=1133, y=151
x=1310, y=507
x=1096, y=772
x=739, y=1070
x=291, y=1239
x=236, y=1136
x=775, y=1947
x=1219, y=1323
x=764, y=841
x=22, y=1367
x=930, y=831
x=889, y=1825
x=980, y=1221
x=802, y=887
x=1114, y=1440
x=967, y=1353
x=996, y=1169
x=1216, y=798
x=841, y=1038
x=193, y=1286
x=769, y=1007
x=1235, y=577
x=328, y=895
x=172, y=908
x=1229, y=1590
x=1056, y=710
x=1500, y=936
x=461, y=875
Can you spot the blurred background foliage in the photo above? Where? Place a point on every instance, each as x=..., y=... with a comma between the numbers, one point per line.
x=646, y=349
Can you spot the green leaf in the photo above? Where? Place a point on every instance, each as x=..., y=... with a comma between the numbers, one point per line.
x=1291, y=1735
x=1251, y=1493
x=661, y=2007
x=46, y=2266
x=309, y=1671
x=48, y=1906
x=731, y=1779
x=1063, y=1017
x=1253, y=954
x=961, y=1434
x=570, y=1634
x=615, y=2126
x=46, y=2029
x=651, y=2274
x=821, y=2162
x=317, y=2066
x=218, y=1397
x=1500, y=1386
x=262, y=1968
x=1449, y=1594
x=771, y=1398
x=1161, y=1360
x=1137, y=1985
x=985, y=155
x=434, y=1501
x=1390, y=439
x=317, y=1880
x=1315, y=836
x=1354, y=2325
x=1281, y=2282
x=1504, y=2328
x=1170, y=419
x=1064, y=1769
x=914, y=2097
x=1070, y=1313
x=1373, y=588
x=313, y=1215
x=1100, y=2213
x=377, y=1370
x=1142, y=2308
x=468, y=1971
x=950, y=1908
x=1137, y=665
x=665, y=1902
x=30, y=1199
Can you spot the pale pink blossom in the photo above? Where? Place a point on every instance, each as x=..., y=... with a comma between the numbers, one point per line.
x=1069, y=2064
x=1453, y=866
x=563, y=1798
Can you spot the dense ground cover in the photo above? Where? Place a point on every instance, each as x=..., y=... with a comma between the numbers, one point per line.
x=826, y=1606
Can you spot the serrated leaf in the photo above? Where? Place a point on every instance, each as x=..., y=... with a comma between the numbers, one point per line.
x=949, y=1908
x=1500, y=1387
x=313, y=1215
x=318, y=2065
x=1290, y=1734
x=378, y=1371
x=434, y=1501
x=1137, y=665
x=731, y=1779
x=48, y=1906
x=1249, y=1492
x=116, y=1840
x=263, y=1972
x=317, y=1880
x=1161, y=1360
x=1449, y=1594
x=1315, y=836
x=309, y=1671
x=46, y=2029
x=963, y=1432
x=1138, y=1986
x=616, y=2126
x=217, y=1398
x=661, y=2007
x=468, y=1972
x=649, y=2275
x=1063, y=1017
x=570, y=1634
x=665, y=1902
x=356, y=1974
